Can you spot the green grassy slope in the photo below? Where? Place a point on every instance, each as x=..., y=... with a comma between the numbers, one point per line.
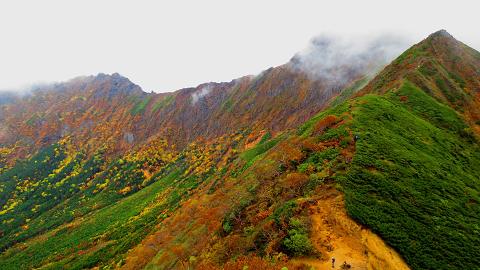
x=404, y=153
x=95, y=212
x=100, y=236
x=415, y=179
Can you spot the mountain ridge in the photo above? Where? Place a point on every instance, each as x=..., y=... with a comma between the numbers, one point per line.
x=187, y=114
x=240, y=174
x=444, y=67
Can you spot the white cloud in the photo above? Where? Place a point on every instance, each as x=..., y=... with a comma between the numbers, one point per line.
x=198, y=94
x=337, y=58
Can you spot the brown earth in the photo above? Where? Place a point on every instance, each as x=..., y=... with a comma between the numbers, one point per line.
x=336, y=235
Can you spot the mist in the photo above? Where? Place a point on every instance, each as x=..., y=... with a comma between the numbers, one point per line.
x=27, y=89
x=335, y=59
x=197, y=95
x=11, y=94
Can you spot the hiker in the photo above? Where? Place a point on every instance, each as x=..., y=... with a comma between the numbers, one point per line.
x=333, y=262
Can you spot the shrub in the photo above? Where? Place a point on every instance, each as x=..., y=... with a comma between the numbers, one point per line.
x=325, y=123
x=284, y=212
x=297, y=242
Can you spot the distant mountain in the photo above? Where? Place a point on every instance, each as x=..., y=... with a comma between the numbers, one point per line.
x=307, y=161
x=96, y=109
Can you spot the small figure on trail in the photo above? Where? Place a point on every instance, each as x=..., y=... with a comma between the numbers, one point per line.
x=333, y=262
x=346, y=266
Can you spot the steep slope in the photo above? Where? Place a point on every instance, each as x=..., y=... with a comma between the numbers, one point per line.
x=116, y=111
x=403, y=156
x=71, y=151
x=98, y=104
x=415, y=177
x=216, y=179
x=90, y=122
x=89, y=110
x=442, y=66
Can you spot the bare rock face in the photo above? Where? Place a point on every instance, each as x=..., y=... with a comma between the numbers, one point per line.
x=129, y=137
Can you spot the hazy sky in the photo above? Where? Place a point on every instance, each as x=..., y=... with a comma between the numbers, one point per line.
x=167, y=45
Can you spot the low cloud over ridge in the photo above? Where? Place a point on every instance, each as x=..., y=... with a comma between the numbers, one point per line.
x=338, y=58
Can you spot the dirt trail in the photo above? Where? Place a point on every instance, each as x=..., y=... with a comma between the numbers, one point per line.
x=336, y=235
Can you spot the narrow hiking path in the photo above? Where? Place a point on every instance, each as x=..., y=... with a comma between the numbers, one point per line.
x=335, y=234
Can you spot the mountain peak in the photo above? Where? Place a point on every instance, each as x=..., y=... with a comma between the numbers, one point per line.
x=114, y=84
x=424, y=58
x=441, y=33
x=101, y=85
x=443, y=45
x=441, y=36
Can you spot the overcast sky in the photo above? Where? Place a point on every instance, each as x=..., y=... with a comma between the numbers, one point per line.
x=167, y=45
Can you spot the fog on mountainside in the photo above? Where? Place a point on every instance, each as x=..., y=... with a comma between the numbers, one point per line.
x=353, y=155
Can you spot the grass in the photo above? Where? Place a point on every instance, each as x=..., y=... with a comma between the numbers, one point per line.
x=55, y=209
x=162, y=103
x=306, y=129
x=350, y=91
x=414, y=179
x=18, y=187
x=263, y=146
x=98, y=231
x=140, y=106
x=422, y=105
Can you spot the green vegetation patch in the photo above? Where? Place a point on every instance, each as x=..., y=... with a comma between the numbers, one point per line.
x=162, y=103
x=263, y=146
x=414, y=180
x=140, y=106
x=124, y=223
x=297, y=243
x=350, y=91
